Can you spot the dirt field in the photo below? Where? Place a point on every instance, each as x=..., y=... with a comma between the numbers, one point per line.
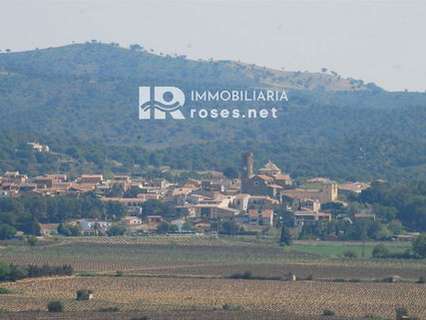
x=164, y=315
x=138, y=293
x=201, y=257
x=188, y=279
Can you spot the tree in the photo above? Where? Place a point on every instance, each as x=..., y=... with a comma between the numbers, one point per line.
x=83, y=294
x=350, y=254
x=419, y=246
x=115, y=210
x=380, y=251
x=136, y=47
x=116, y=231
x=55, y=306
x=69, y=230
x=230, y=173
x=31, y=227
x=229, y=227
x=7, y=232
x=117, y=190
x=285, y=238
x=163, y=227
x=32, y=241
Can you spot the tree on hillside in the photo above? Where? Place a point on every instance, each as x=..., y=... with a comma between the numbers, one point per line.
x=136, y=47
x=230, y=173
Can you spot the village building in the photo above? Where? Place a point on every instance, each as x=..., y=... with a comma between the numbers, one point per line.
x=39, y=147
x=352, y=187
x=269, y=180
x=262, y=217
x=93, y=179
x=132, y=221
x=306, y=216
x=93, y=227
x=324, y=193
x=14, y=177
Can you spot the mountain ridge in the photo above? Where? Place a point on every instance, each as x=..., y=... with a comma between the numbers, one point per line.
x=82, y=100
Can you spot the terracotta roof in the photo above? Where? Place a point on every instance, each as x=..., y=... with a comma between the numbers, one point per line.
x=270, y=166
x=264, y=177
x=282, y=177
x=275, y=186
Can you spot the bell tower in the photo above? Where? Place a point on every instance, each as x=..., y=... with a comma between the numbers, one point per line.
x=246, y=170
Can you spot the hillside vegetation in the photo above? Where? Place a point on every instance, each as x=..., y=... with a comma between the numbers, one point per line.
x=82, y=100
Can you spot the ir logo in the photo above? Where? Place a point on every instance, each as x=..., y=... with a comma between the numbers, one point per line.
x=160, y=103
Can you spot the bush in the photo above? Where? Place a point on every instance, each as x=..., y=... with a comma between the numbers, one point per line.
x=7, y=232
x=55, y=306
x=83, y=295
x=350, y=254
x=380, y=252
x=401, y=313
x=116, y=231
x=244, y=275
x=419, y=246
x=421, y=280
x=5, y=291
x=109, y=309
x=328, y=312
x=231, y=307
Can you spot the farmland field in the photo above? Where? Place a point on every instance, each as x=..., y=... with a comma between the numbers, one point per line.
x=163, y=277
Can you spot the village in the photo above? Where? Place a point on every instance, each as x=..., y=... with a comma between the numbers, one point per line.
x=250, y=204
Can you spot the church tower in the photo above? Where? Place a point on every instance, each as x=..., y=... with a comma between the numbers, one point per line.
x=246, y=171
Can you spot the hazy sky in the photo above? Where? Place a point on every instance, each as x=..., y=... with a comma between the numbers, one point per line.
x=378, y=41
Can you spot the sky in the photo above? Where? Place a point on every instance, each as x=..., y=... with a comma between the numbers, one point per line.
x=376, y=41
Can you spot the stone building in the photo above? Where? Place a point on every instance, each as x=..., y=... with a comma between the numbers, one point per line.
x=269, y=180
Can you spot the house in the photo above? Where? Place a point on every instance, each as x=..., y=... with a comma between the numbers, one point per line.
x=364, y=216
x=48, y=229
x=263, y=217
x=132, y=220
x=212, y=186
x=44, y=182
x=14, y=177
x=241, y=201
x=154, y=219
x=186, y=210
x=353, y=187
x=95, y=227
x=262, y=202
x=76, y=188
x=125, y=182
x=409, y=236
x=161, y=184
x=179, y=195
x=191, y=184
x=132, y=205
x=93, y=179
x=324, y=193
x=306, y=216
x=39, y=147
x=309, y=204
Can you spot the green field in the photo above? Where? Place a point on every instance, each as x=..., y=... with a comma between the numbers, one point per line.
x=335, y=249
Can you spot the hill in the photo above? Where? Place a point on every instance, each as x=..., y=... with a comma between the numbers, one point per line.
x=82, y=100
